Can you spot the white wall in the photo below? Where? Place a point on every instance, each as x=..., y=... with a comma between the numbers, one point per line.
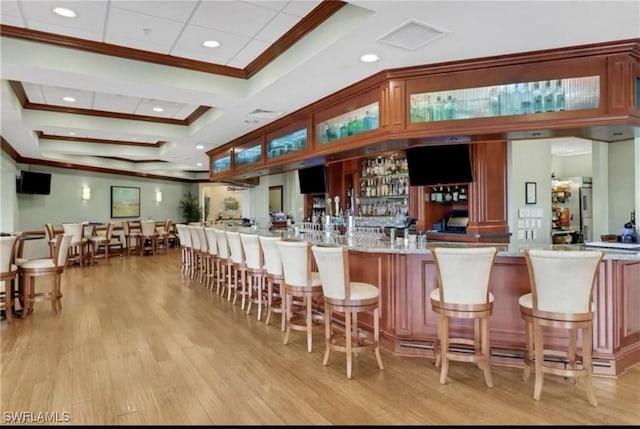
x=572, y=166
x=520, y=170
x=8, y=202
x=623, y=183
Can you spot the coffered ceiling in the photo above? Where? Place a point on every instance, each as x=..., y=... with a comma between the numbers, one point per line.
x=127, y=86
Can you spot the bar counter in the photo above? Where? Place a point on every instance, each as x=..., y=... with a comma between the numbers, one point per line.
x=406, y=276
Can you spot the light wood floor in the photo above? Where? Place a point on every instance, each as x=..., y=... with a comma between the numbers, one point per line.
x=136, y=343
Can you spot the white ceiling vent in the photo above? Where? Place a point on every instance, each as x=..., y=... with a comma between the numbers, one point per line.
x=413, y=35
x=263, y=114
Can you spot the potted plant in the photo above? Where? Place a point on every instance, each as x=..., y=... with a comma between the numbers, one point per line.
x=190, y=208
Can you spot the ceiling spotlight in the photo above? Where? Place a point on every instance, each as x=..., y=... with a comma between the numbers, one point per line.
x=69, y=99
x=199, y=164
x=71, y=133
x=63, y=11
x=369, y=58
x=158, y=109
x=210, y=43
x=199, y=146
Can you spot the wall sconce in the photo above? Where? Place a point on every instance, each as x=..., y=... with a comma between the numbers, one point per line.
x=158, y=196
x=86, y=193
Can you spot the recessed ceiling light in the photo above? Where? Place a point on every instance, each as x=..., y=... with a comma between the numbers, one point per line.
x=210, y=43
x=369, y=58
x=69, y=99
x=199, y=146
x=158, y=109
x=71, y=133
x=63, y=11
x=199, y=164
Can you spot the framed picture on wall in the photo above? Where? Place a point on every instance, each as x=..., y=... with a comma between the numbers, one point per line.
x=530, y=193
x=125, y=201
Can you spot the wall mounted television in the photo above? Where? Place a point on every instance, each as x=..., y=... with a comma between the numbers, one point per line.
x=313, y=180
x=439, y=165
x=31, y=182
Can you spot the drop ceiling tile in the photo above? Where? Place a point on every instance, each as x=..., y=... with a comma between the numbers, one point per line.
x=10, y=9
x=279, y=25
x=170, y=109
x=142, y=30
x=301, y=8
x=190, y=41
x=90, y=20
x=34, y=92
x=243, y=19
x=174, y=10
x=54, y=94
x=251, y=51
x=115, y=103
x=275, y=5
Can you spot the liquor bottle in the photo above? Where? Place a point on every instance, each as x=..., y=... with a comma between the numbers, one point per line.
x=463, y=194
x=449, y=110
x=559, y=96
x=455, y=194
x=537, y=98
x=434, y=194
x=516, y=100
x=438, y=110
x=427, y=112
x=548, y=98
x=448, y=196
x=527, y=99
x=494, y=102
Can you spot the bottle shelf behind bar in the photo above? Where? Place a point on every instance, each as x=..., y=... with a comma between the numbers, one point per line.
x=384, y=186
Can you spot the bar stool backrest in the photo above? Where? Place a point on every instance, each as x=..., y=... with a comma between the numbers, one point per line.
x=333, y=265
x=61, y=249
x=195, y=238
x=463, y=274
x=296, y=262
x=202, y=238
x=75, y=229
x=272, y=260
x=212, y=241
x=223, y=246
x=235, y=247
x=562, y=281
x=252, y=251
x=148, y=227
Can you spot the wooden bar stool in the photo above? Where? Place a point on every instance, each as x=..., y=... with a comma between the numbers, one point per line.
x=561, y=298
x=463, y=293
x=256, y=272
x=342, y=295
x=224, y=265
x=302, y=283
x=275, y=279
x=239, y=268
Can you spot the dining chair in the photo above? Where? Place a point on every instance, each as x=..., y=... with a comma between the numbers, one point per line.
x=463, y=276
x=561, y=299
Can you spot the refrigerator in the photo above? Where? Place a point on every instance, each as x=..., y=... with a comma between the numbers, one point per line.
x=572, y=205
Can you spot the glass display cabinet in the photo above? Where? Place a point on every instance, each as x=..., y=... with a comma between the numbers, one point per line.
x=553, y=95
x=221, y=164
x=288, y=143
x=247, y=154
x=354, y=122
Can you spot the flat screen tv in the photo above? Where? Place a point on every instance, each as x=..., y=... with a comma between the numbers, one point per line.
x=31, y=182
x=313, y=180
x=439, y=165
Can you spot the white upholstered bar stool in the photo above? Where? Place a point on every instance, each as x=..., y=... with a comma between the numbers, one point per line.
x=463, y=276
x=342, y=295
x=299, y=282
x=561, y=298
x=224, y=264
x=33, y=268
x=185, y=248
x=212, y=246
x=256, y=272
x=195, y=248
x=101, y=243
x=239, y=270
x=204, y=256
x=8, y=273
x=131, y=236
x=275, y=278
